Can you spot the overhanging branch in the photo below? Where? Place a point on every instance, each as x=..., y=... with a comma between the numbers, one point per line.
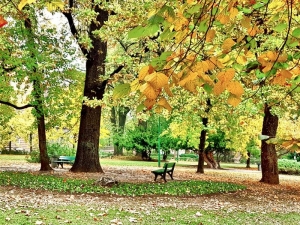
x=15, y=106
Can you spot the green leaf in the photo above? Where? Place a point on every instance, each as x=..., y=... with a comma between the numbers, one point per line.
x=194, y=9
x=292, y=43
x=156, y=19
x=258, y=5
x=140, y=108
x=207, y=88
x=296, y=33
x=203, y=26
x=121, y=90
x=280, y=27
x=136, y=32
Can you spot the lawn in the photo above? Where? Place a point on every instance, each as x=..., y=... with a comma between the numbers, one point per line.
x=29, y=199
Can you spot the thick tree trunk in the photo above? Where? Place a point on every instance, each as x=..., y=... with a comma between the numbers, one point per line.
x=87, y=156
x=210, y=157
x=269, y=164
x=201, y=159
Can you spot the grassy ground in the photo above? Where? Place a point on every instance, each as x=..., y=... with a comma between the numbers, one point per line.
x=259, y=204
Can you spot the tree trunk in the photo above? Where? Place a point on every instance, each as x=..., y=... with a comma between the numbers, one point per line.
x=38, y=97
x=87, y=156
x=248, y=160
x=200, y=167
x=210, y=157
x=269, y=164
x=42, y=144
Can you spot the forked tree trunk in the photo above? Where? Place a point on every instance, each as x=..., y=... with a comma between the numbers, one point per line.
x=87, y=155
x=269, y=164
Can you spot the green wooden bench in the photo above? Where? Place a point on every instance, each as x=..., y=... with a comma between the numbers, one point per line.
x=64, y=159
x=167, y=169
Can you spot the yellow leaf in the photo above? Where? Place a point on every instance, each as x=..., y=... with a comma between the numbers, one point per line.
x=225, y=59
x=201, y=67
x=157, y=80
x=241, y=60
x=210, y=35
x=246, y=22
x=159, y=109
x=286, y=74
x=235, y=88
x=149, y=103
x=135, y=85
x=191, y=76
x=268, y=67
x=272, y=55
x=163, y=102
x=282, y=58
x=227, y=44
x=168, y=91
x=252, y=31
x=224, y=19
x=145, y=71
x=233, y=12
x=25, y=2
x=227, y=75
x=190, y=86
x=219, y=87
x=206, y=79
x=149, y=91
x=54, y=5
x=233, y=100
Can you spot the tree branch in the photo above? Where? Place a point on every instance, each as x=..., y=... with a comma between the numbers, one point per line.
x=14, y=106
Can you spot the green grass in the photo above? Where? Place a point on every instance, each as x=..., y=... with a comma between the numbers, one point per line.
x=97, y=214
x=12, y=157
x=68, y=185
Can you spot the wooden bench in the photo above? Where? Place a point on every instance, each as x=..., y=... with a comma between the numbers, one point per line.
x=64, y=159
x=167, y=169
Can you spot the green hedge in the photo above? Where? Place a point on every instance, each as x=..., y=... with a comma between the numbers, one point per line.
x=189, y=156
x=286, y=166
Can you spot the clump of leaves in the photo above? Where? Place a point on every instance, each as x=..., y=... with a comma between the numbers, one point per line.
x=68, y=185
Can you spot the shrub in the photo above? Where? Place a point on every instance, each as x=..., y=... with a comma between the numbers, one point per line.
x=57, y=149
x=33, y=157
x=286, y=166
x=189, y=155
x=13, y=152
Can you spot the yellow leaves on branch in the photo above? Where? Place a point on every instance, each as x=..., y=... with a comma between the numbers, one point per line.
x=234, y=87
x=227, y=45
x=268, y=59
x=281, y=77
x=153, y=83
x=25, y=2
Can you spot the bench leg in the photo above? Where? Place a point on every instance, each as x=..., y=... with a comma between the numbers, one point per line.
x=171, y=175
x=155, y=177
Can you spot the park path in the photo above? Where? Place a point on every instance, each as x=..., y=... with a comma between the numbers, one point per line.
x=258, y=197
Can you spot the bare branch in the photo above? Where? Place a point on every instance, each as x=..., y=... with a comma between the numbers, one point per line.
x=15, y=106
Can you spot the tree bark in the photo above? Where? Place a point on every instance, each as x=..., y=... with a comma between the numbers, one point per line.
x=248, y=160
x=87, y=155
x=200, y=167
x=269, y=164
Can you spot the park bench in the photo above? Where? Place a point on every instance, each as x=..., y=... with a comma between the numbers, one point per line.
x=64, y=159
x=167, y=169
